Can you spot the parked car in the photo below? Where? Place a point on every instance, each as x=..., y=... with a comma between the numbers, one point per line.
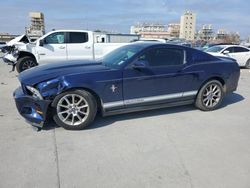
x=140, y=76
x=240, y=53
x=2, y=44
x=209, y=45
x=61, y=45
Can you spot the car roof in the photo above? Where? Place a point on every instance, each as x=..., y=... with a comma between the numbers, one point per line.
x=231, y=45
x=151, y=44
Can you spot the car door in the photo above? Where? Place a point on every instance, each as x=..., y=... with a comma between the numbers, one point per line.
x=238, y=53
x=53, y=48
x=163, y=79
x=79, y=46
x=241, y=55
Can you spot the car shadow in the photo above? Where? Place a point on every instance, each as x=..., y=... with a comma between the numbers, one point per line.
x=231, y=98
x=105, y=121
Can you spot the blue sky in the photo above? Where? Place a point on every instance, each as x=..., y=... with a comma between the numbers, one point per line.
x=119, y=15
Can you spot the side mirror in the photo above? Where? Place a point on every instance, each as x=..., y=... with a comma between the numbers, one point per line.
x=226, y=52
x=140, y=64
x=41, y=42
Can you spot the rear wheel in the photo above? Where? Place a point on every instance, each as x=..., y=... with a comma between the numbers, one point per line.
x=74, y=109
x=25, y=63
x=247, y=66
x=210, y=96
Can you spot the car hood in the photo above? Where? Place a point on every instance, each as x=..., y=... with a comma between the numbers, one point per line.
x=54, y=70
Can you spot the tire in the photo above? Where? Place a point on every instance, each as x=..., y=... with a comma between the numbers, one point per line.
x=74, y=110
x=25, y=63
x=247, y=66
x=210, y=96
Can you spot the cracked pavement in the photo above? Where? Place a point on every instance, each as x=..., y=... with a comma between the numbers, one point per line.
x=178, y=147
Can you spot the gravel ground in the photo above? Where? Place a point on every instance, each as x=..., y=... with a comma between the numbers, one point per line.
x=178, y=147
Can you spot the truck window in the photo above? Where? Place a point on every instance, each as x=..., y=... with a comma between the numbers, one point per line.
x=78, y=37
x=55, y=38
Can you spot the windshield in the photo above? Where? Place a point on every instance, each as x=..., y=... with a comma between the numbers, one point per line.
x=119, y=56
x=214, y=49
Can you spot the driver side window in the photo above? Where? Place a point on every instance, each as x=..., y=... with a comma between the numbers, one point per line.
x=230, y=49
x=163, y=57
x=55, y=38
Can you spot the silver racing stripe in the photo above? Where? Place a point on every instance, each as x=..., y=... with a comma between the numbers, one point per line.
x=189, y=93
x=148, y=99
x=113, y=104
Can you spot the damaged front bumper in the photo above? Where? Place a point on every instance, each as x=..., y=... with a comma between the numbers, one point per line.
x=10, y=59
x=32, y=109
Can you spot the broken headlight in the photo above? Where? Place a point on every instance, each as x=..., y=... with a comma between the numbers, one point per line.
x=35, y=93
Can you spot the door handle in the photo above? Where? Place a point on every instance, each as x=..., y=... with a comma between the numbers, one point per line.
x=87, y=47
x=62, y=47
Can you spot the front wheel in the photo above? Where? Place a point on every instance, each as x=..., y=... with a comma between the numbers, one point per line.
x=25, y=63
x=74, y=109
x=210, y=96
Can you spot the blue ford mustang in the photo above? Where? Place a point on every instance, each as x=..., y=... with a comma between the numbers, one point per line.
x=140, y=76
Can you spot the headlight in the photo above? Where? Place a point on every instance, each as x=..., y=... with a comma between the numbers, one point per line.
x=15, y=52
x=35, y=92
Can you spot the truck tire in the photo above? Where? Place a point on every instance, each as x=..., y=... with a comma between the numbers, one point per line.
x=74, y=110
x=210, y=96
x=25, y=63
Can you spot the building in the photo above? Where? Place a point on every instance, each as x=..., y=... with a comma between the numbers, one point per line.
x=5, y=37
x=37, y=26
x=150, y=30
x=206, y=33
x=187, y=26
x=147, y=27
x=221, y=34
x=227, y=37
x=248, y=39
x=174, y=30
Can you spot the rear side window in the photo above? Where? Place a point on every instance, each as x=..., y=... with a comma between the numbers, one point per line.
x=240, y=49
x=78, y=37
x=163, y=57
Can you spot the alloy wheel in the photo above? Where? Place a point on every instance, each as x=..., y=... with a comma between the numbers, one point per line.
x=28, y=64
x=72, y=109
x=211, y=95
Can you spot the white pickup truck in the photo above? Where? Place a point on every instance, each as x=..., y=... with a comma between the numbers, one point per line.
x=62, y=45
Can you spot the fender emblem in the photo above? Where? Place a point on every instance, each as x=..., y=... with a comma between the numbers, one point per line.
x=113, y=88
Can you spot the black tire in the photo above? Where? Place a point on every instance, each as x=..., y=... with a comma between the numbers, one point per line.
x=247, y=66
x=207, y=101
x=61, y=105
x=25, y=63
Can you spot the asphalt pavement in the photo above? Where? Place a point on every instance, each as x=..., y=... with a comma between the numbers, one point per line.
x=178, y=147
